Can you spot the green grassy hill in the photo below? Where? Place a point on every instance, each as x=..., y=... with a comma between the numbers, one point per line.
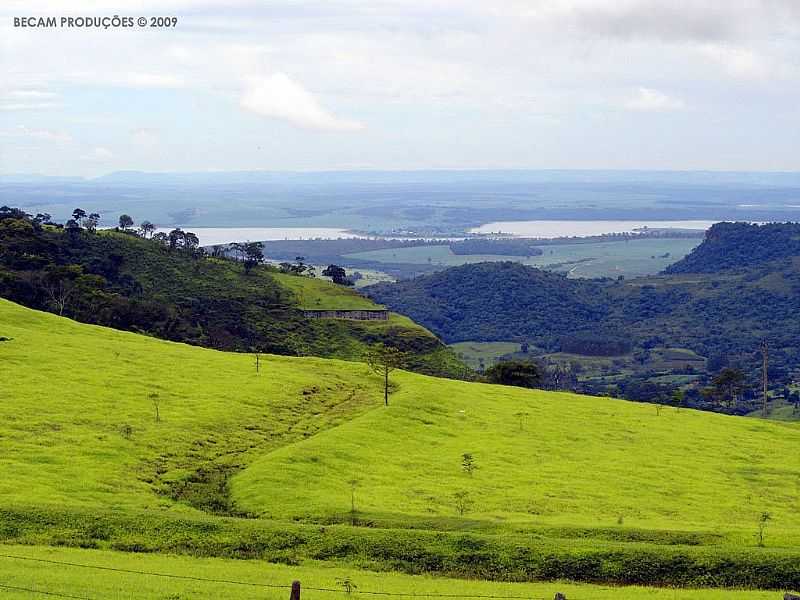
x=79, y=417
x=588, y=489
x=568, y=460
x=319, y=294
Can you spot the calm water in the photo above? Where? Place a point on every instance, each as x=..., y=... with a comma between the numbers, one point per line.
x=554, y=229
x=210, y=236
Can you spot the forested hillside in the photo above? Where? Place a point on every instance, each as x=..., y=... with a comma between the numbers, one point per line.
x=171, y=289
x=719, y=319
x=739, y=245
x=498, y=301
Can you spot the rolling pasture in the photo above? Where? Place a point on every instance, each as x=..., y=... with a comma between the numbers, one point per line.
x=98, y=416
x=113, y=441
x=540, y=459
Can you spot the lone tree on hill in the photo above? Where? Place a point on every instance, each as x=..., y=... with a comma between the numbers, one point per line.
x=727, y=387
x=383, y=360
x=763, y=518
x=146, y=229
x=253, y=255
x=156, y=400
x=125, y=221
x=337, y=274
x=60, y=283
x=78, y=215
x=89, y=222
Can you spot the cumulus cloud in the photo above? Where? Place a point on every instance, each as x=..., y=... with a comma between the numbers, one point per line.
x=279, y=97
x=433, y=76
x=650, y=100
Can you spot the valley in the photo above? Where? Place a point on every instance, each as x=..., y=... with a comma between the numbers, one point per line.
x=217, y=421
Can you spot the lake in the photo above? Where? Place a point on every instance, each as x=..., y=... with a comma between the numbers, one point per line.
x=211, y=236
x=555, y=229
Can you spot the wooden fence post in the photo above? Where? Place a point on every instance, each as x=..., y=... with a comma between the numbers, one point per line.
x=295, y=591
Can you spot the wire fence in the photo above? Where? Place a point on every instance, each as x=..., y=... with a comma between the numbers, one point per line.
x=210, y=580
x=16, y=588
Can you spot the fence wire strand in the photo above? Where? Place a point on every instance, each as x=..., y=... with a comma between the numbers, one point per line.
x=16, y=588
x=247, y=583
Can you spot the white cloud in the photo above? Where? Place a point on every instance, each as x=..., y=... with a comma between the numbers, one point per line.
x=738, y=62
x=456, y=81
x=650, y=100
x=47, y=135
x=98, y=154
x=279, y=97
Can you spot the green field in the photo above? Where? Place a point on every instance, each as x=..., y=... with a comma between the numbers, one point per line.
x=600, y=259
x=570, y=461
x=566, y=486
x=159, y=578
x=78, y=422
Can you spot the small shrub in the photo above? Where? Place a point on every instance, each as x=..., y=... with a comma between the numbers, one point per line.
x=463, y=502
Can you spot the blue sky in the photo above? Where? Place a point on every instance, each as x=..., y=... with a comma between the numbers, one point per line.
x=403, y=84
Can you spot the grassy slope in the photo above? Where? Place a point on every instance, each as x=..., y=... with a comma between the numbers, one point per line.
x=77, y=580
x=73, y=476
x=319, y=294
x=574, y=460
x=69, y=390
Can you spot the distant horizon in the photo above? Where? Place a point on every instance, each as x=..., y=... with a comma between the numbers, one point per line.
x=300, y=171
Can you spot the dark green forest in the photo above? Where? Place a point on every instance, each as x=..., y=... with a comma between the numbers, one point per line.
x=740, y=245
